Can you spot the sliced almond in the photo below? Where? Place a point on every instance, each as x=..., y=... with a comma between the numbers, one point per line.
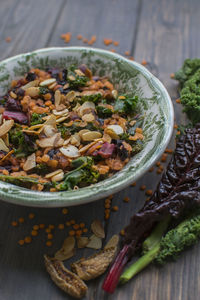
x=94, y=242
x=86, y=105
x=113, y=242
x=114, y=129
x=67, y=249
x=70, y=151
x=30, y=163
x=53, y=173
x=58, y=177
x=82, y=241
x=60, y=113
x=60, y=120
x=57, y=97
x=79, y=72
x=6, y=139
x=6, y=126
x=107, y=138
x=47, y=82
x=71, y=96
x=30, y=84
x=66, y=86
x=3, y=146
x=52, y=85
x=48, y=142
x=91, y=136
x=97, y=229
x=88, y=117
x=75, y=140
x=49, y=130
x=33, y=91
x=66, y=142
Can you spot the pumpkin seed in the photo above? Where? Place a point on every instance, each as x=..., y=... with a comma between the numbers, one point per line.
x=57, y=97
x=53, y=173
x=47, y=81
x=30, y=84
x=33, y=91
x=91, y=136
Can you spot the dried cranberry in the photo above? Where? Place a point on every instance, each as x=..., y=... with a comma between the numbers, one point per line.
x=20, y=92
x=54, y=72
x=31, y=76
x=16, y=116
x=12, y=104
x=52, y=152
x=106, y=150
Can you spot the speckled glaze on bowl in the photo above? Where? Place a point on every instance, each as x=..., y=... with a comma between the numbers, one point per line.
x=127, y=76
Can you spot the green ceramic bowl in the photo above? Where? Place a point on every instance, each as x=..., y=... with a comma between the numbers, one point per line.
x=127, y=76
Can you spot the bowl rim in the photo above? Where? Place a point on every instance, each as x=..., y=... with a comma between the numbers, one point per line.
x=56, y=199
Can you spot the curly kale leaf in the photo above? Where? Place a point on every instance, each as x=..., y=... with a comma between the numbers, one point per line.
x=23, y=144
x=190, y=97
x=82, y=175
x=188, y=69
x=176, y=240
x=91, y=98
x=126, y=106
x=37, y=119
x=103, y=112
x=43, y=90
x=75, y=80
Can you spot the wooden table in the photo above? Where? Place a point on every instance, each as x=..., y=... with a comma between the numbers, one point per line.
x=163, y=32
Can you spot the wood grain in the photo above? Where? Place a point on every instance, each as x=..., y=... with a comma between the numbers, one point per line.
x=162, y=32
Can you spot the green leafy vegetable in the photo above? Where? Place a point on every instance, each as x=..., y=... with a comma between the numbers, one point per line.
x=83, y=174
x=190, y=97
x=37, y=119
x=92, y=98
x=188, y=69
x=103, y=112
x=77, y=80
x=23, y=181
x=160, y=248
x=43, y=90
x=126, y=106
x=176, y=240
x=22, y=143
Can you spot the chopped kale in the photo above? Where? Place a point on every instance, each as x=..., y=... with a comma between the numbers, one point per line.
x=37, y=119
x=126, y=106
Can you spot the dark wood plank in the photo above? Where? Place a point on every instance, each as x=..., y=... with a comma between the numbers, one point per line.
x=106, y=19
x=167, y=34
x=23, y=266
x=28, y=23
